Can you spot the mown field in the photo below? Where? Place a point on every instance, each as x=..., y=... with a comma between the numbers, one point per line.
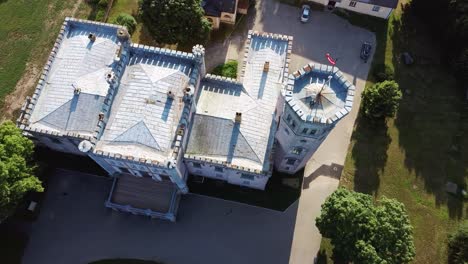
x=28, y=30
x=415, y=154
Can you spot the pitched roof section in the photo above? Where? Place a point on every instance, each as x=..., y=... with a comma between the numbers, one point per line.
x=79, y=64
x=144, y=119
x=319, y=93
x=219, y=137
x=138, y=134
x=215, y=7
x=248, y=143
x=384, y=3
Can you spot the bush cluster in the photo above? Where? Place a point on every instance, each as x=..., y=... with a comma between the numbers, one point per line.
x=126, y=20
x=228, y=69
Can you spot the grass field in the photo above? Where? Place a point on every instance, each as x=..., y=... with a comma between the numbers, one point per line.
x=412, y=156
x=141, y=34
x=27, y=31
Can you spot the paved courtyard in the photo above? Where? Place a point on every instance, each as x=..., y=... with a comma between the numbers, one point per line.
x=74, y=226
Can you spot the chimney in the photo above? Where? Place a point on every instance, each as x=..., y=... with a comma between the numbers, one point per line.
x=266, y=66
x=170, y=94
x=238, y=118
x=92, y=37
x=77, y=91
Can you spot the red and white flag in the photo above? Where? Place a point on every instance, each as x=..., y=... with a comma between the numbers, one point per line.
x=330, y=59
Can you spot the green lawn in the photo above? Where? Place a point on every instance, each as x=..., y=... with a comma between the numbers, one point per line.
x=27, y=31
x=124, y=6
x=141, y=34
x=228, y=69
x=413, y=155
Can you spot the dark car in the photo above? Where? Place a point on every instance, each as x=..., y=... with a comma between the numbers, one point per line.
x=365, y=51
x=305, y=14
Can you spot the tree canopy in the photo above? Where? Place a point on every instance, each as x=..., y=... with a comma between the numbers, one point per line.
x=366, y=233
x=381, y=100
x=16, y=169
x=458, y=245
x=126, y=20
x=176, y=21
x=228, y=69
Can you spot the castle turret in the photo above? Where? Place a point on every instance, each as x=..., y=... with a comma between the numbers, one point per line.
x=316, y=97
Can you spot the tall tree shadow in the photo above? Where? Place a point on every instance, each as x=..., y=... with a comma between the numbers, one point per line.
x=432, y=118
x=370, y=142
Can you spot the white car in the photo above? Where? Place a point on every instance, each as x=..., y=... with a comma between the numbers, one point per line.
x=305, y=14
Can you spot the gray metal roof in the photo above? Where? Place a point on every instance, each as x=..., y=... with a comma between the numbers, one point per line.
x=319, y=93
x=144, y=118
x=215, y=135
x=384, y=3
x=82, y=64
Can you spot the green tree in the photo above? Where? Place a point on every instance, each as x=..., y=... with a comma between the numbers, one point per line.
x=176, y=21
x=381, y=100
x=16, y=169
x=366, y=233
x=228, y=69
x=458, y=245
x=126, y=20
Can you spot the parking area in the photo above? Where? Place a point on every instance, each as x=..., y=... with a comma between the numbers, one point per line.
x=75, y=227
x=323, y=33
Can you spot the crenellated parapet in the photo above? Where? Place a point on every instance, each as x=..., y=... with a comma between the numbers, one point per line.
x=225, y=164
x=315, y=69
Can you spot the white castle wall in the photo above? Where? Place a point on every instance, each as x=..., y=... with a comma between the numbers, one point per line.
x=230, y=175
x=290, y=140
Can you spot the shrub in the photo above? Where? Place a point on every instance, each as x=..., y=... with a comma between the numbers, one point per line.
x=228, y=69
x=181, y=21
x=383, y=72
x=103, y=3
x=458, y=245
x=17, y=168
x=381, y=100
x=126, y=20
x=100, y=15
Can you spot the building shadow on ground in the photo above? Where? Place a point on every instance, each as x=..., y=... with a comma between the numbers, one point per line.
x=333, y=171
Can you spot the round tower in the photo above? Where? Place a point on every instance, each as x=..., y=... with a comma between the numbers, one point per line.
x=199, y=54
x=316, y=97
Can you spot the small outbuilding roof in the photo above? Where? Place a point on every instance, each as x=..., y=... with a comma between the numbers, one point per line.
x=215, y=7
